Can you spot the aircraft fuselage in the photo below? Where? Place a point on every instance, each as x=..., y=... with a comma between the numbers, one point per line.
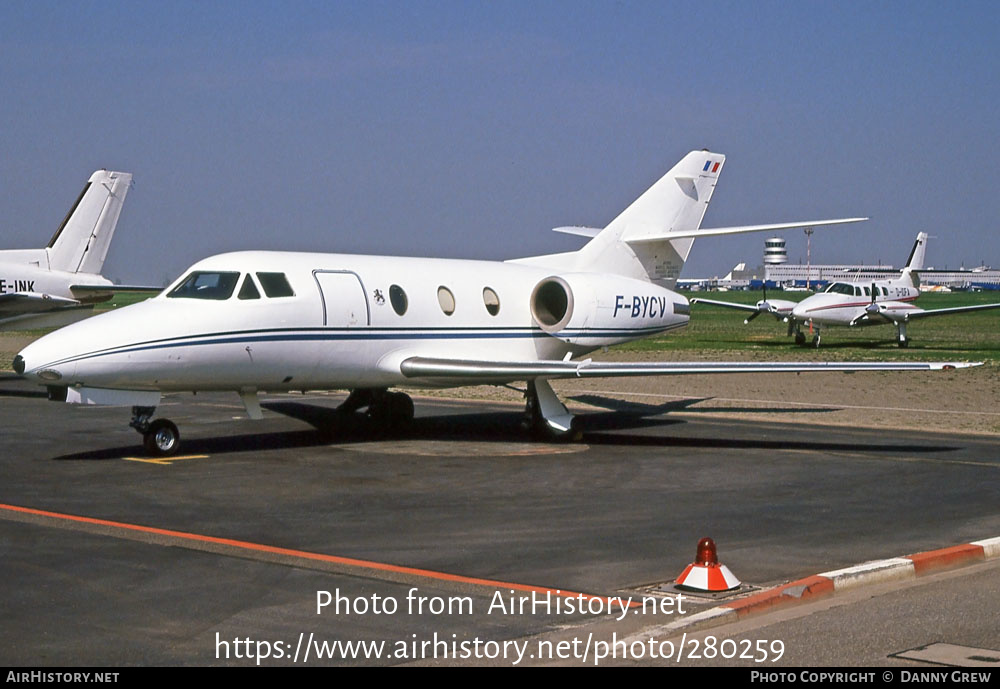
x=345, y=321
x=31, y=279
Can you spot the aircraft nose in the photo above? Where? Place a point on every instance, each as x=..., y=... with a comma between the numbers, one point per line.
x=18, y=365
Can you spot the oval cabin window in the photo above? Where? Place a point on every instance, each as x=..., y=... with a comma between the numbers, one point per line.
x=447, y=300
x=397, y=297
x=491, y=300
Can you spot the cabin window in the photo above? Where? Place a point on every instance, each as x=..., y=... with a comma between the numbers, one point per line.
x=868, y=292
x=491, y=300
x=248, y=290
x=447, y=300
x=275, y=285
x=397, y=297
x=206, y=285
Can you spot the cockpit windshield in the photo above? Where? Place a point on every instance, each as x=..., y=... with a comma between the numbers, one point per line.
x=206, y=285
x=841, y=288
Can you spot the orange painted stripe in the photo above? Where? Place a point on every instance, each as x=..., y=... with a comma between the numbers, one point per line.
x=944, y=558
x=320, y=557
x=765, y=600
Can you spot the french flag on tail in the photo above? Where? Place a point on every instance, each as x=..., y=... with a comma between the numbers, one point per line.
x=711, y=166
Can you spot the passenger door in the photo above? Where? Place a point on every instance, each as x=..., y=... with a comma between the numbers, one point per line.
x=344, y=301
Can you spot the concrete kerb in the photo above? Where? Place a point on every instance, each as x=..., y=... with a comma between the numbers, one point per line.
x=829, y=583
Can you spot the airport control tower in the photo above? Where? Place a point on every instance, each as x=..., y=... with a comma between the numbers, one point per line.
x=775, y=252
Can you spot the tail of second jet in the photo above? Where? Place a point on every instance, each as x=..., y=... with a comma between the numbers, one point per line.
x=81, y=243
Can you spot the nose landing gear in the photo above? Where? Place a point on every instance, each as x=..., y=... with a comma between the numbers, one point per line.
x=160, y=438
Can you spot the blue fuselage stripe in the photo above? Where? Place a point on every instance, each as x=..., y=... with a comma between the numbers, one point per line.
x=370, y=334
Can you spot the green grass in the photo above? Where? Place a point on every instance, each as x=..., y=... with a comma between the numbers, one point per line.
x=969, y=336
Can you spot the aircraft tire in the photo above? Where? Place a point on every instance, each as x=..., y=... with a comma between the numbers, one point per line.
x=402, y=408
x=394, y=411
x=800, y=338
x=162, y=439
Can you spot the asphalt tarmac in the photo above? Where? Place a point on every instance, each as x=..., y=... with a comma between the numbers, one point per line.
x=450, y=539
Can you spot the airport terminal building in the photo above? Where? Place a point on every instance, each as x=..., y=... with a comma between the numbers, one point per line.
x=777, y=272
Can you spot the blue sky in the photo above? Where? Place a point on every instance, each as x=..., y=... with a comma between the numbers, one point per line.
x=470, y=129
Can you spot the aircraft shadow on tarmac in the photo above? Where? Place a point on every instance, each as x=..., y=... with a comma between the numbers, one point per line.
x=15, y=386
x=685, y=405
x=600, y=428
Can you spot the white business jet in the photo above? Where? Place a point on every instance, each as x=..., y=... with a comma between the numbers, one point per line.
x=43, y=288
x=854, y=304
x=253, y=322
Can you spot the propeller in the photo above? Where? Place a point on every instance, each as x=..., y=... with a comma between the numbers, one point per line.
x=873, y=308
x=762, y=306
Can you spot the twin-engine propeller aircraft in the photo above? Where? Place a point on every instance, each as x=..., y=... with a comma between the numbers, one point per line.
x=854, y=304
x=255, y=322
x=44, y=288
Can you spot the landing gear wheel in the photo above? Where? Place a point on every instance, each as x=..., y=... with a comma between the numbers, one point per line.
x=800, y=339
x=816, y=340
x=391, y=411
x=904, y=343
x=161, y=439
x=402, y=408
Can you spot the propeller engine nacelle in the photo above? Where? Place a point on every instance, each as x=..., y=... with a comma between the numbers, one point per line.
x=597, y=310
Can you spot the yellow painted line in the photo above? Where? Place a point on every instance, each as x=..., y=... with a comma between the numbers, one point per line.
x=163, y=460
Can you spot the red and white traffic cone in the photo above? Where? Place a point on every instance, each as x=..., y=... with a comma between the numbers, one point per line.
x=705, y=573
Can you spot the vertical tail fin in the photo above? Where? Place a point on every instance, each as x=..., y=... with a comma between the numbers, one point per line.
x=81, y=243
x=916, y=260
x=676, y=202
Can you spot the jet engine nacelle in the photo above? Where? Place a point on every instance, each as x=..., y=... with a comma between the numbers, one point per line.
x=597, y=310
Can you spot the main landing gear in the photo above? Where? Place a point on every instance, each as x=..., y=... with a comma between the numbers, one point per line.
x=386, y=410
x=800, y=337
x=161, y=437
x=901, y=339
x=546, y=415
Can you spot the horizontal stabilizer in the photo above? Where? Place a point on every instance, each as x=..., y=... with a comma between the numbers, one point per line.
x=579, y=231
x=115, y=288
x=716, y=231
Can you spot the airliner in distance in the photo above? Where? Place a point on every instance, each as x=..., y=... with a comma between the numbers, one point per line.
x=57, y=285
x=854, y=304
x=257, y=321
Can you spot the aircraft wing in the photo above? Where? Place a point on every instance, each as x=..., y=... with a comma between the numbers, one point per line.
x=727, y=304
x=18, y=303
x=889, y=316
x=956, y=309
x=32, y=310
x=463, y=370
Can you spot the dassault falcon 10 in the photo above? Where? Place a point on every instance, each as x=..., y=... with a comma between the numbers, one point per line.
x=252, y=322
x=854, y=304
